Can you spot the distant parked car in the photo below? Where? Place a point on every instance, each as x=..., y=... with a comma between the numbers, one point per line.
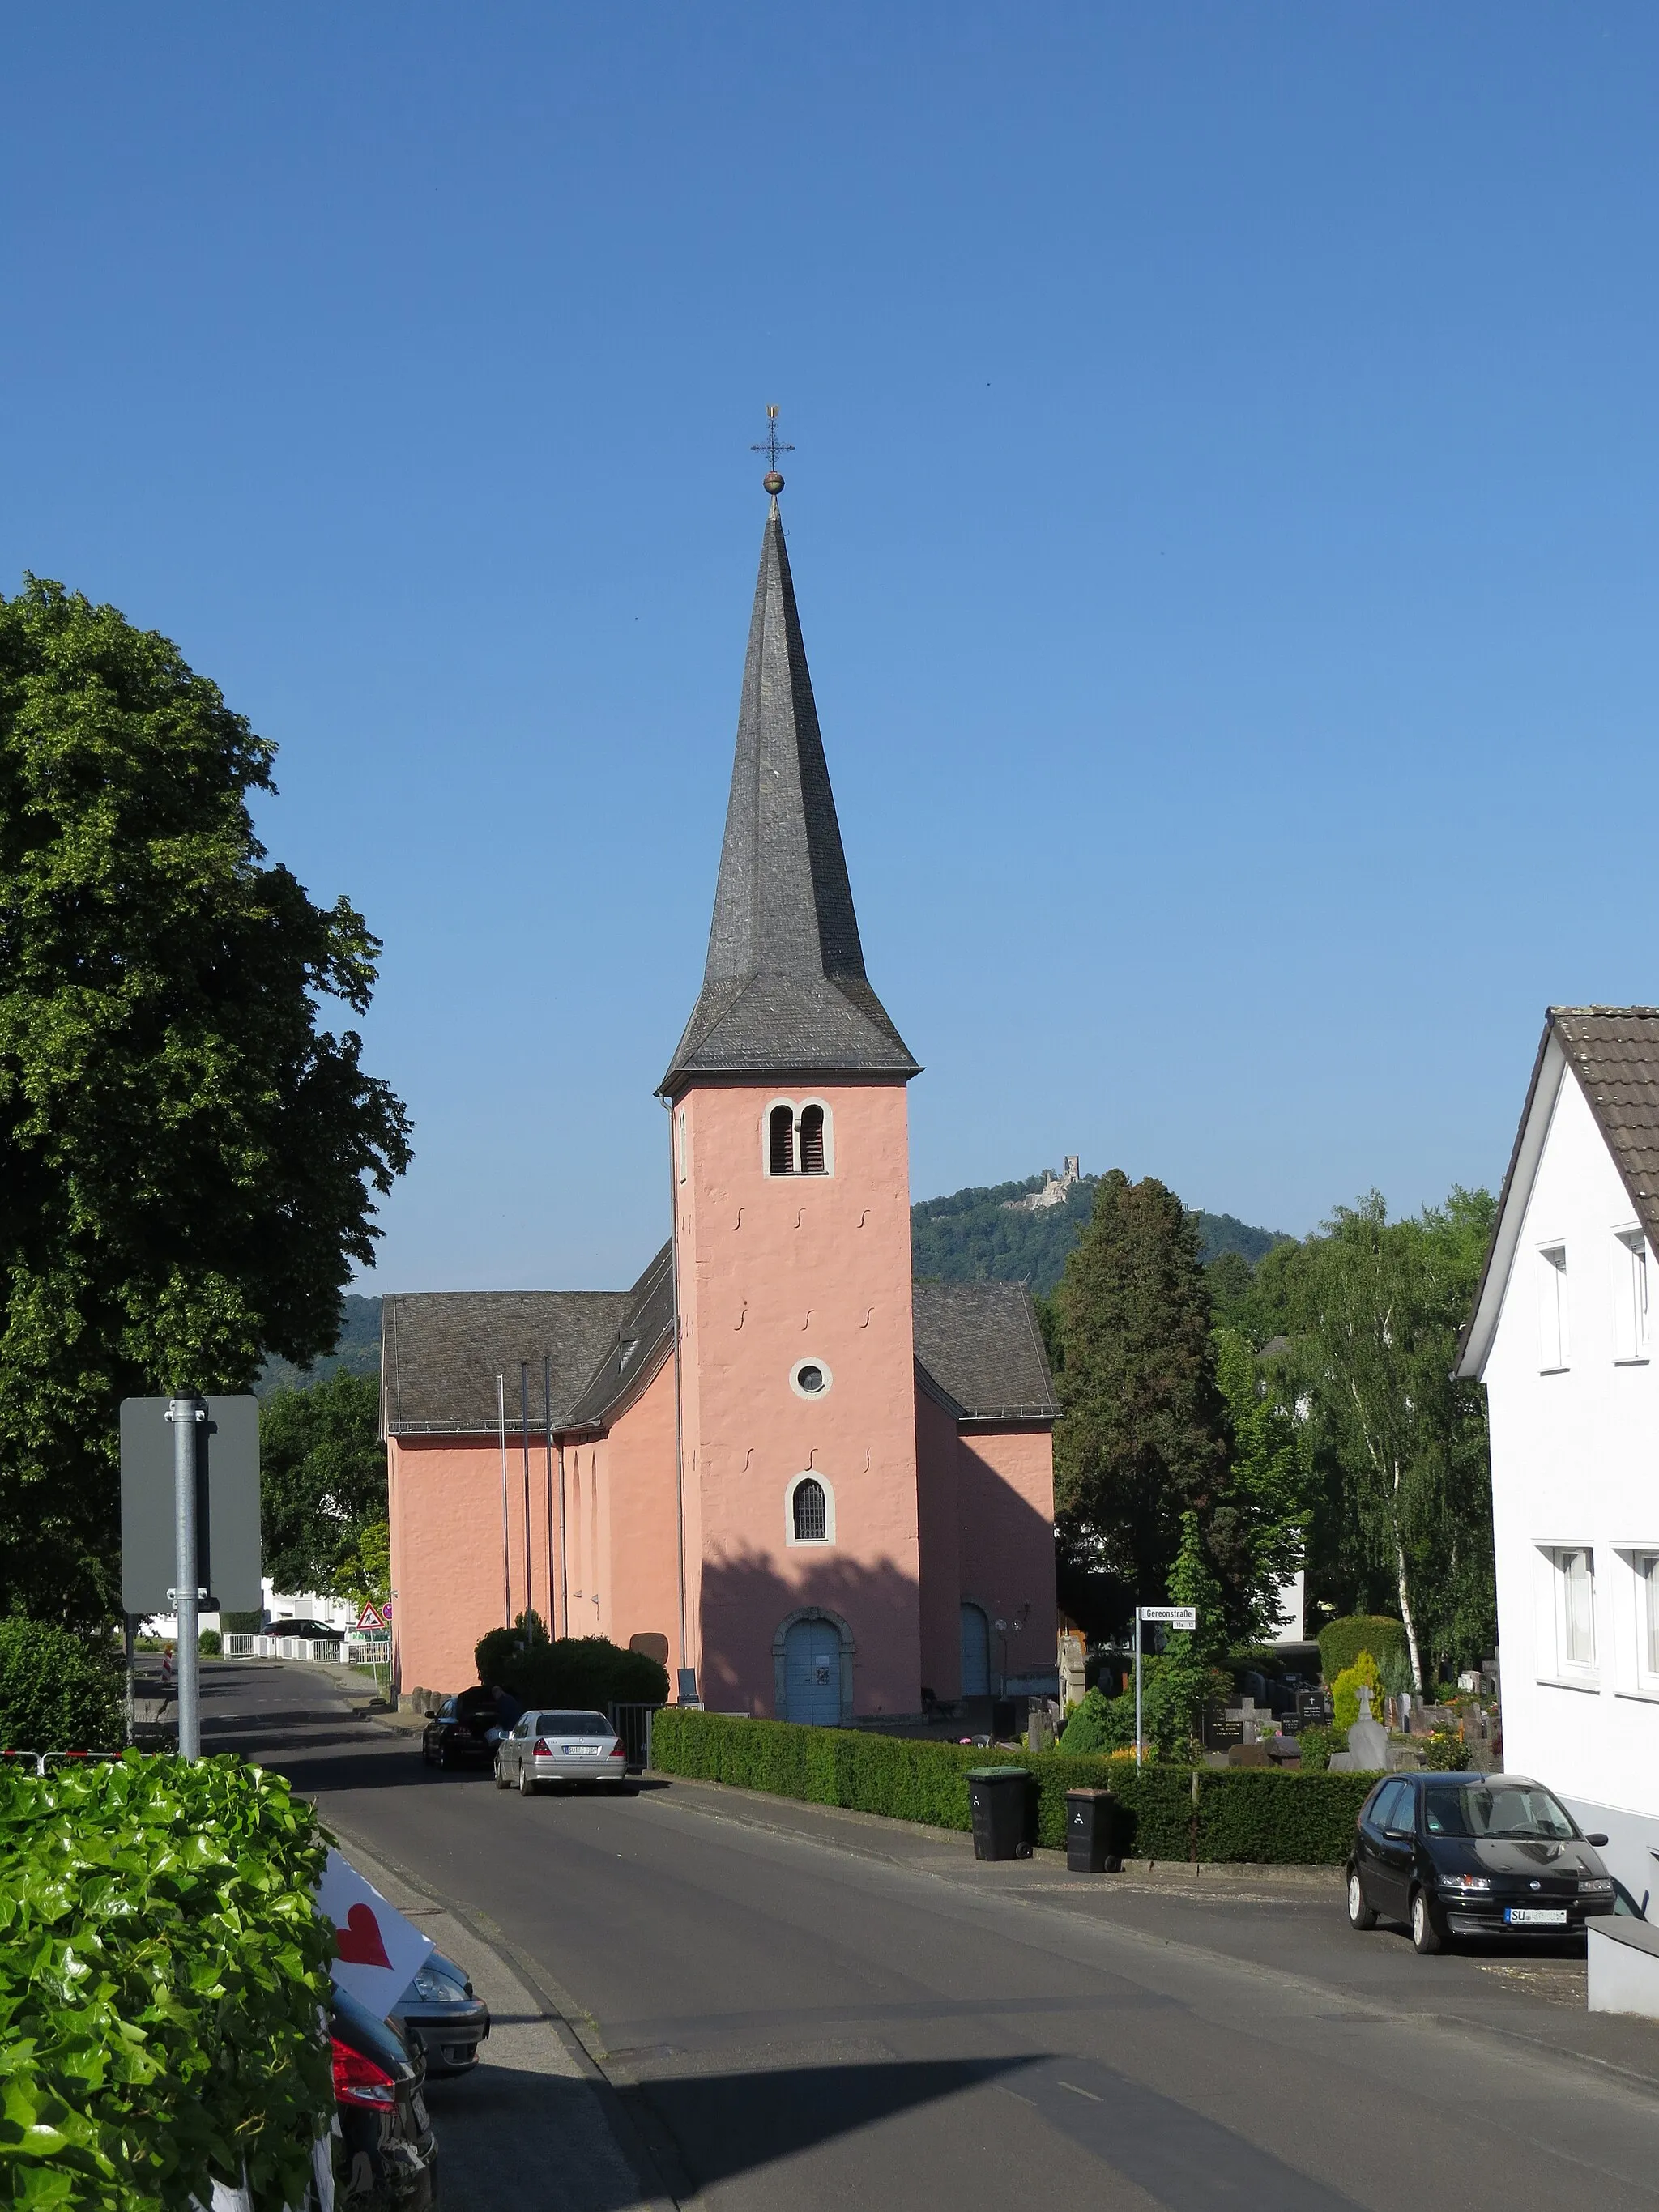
x=440, y=2019
x=463, y=1731
x=314, y=1631
x=1473, y=1855
x=384, y=2157
x=561, y=1747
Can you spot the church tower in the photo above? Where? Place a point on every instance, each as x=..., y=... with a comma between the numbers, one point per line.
x=795, y=1376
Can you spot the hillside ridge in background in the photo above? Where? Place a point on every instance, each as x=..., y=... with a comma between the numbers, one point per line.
x=974, y=1236
x=969, y=1237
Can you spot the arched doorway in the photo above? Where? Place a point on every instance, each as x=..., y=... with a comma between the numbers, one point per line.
x=812, y=1673
x=975, y=1652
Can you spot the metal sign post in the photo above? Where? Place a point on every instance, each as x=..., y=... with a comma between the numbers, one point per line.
x=1170, y=1616
x=190, y=1521
x=184, y=1413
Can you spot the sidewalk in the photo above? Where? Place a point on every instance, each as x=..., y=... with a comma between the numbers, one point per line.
x=535, y=2127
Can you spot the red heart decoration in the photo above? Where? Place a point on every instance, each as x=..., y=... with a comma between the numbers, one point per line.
x=360, y=1939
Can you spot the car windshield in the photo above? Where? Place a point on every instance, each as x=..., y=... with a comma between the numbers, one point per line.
x=1511, y=1811
x=575, y=1724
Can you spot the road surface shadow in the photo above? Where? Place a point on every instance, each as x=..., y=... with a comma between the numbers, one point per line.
x=717, y=2125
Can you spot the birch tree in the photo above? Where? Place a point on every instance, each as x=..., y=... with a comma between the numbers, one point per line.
x=1373, y=1309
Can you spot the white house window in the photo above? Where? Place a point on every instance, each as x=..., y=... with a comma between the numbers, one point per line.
x=809, y=1511
x=1552, y=1344
x=1574, y=1580
x=1647, y=1598
x=1629, y=1296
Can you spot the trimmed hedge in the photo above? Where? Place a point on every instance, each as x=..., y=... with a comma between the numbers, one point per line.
x=58, y=1691
x=1341, y=1643
x=163, y=1973
x=1244, y=1814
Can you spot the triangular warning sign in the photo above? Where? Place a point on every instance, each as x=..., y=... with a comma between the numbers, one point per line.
x=370, y=1616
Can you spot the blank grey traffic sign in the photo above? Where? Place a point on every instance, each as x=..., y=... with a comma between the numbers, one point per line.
x=227, y=1563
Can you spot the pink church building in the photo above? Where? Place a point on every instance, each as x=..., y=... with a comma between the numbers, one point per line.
x=814, y=1487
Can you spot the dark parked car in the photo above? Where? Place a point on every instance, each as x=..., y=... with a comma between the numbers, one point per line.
x=384, y=2157
x=1472, y=1855
x=440, y=2018
x=463, y=1732
x=314, y=1631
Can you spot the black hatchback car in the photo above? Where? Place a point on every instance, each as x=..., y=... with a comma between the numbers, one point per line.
x=463, y=1732
x=384, y=2154
x=1472, y=1855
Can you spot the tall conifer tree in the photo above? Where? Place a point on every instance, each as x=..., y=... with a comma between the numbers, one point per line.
x=1143, y=1435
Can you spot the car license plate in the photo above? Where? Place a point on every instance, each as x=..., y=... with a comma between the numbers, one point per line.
x=1535, y=1916
x=582, y=1751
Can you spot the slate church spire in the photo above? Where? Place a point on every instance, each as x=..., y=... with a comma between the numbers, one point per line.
x=784, y=990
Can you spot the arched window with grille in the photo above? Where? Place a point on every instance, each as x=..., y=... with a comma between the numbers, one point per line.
x=812, y=1140
x=812, y=1519
x=781, y=1141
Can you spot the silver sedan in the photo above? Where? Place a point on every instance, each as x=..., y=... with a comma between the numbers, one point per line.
x=565, y=1746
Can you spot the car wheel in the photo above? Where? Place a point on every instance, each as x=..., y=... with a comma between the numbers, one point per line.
x=1426, y=1937
x=502, y=1781
x=1360, y=1915
x=527, y=1781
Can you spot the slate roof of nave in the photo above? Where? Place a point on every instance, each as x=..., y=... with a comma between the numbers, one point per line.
x=977, y=1345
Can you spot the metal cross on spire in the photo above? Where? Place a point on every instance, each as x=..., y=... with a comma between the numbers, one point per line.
x=772, y=480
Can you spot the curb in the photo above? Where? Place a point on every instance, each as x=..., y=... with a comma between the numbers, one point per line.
x=575, y=2029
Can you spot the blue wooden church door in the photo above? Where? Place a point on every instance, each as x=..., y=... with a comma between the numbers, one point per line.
x=812, y=1673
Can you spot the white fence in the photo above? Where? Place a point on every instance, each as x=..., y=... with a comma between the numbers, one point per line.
x=352, y=1652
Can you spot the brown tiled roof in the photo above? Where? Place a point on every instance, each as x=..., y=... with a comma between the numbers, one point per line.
x=979, y=1346
x=1614, y=1053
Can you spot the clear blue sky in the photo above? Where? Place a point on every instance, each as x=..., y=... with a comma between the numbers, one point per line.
x=1223, y=515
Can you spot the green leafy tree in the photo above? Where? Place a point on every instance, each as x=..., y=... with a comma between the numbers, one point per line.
x=187, y=1154
x=322, y=1487
x=1372, y=1309
x=1142, y=1436
x=1261, y=1521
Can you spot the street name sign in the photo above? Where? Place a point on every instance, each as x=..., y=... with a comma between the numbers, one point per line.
x=1171, y=1616
x=228, y=1564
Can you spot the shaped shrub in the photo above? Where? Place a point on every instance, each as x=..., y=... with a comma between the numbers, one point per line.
x=1341, y=1643
x=58, y=1691
x=1364, y=1674
x=163, y=1980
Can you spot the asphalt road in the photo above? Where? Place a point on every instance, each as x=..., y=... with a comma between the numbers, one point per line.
x=804, y=2009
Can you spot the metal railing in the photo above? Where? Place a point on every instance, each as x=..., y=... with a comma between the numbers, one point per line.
x=42, y=1759
x=633, y=1724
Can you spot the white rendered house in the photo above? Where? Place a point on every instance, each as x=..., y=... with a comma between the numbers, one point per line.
x=1563, y=1338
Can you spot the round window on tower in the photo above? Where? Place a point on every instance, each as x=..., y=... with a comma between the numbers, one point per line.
x=809, y=1378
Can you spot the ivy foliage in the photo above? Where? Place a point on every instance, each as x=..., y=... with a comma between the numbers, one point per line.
x=187, y=1154
x=163, y=1982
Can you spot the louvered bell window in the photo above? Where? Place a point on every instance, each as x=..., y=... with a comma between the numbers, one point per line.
x=780, y=1141
x=812, y=1140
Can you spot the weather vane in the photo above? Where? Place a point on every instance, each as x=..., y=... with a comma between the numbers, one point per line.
x=772, y=480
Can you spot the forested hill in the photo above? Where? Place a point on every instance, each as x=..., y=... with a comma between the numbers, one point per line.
x=967, y=1238
x=971, y=1236
x=358, y=1351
